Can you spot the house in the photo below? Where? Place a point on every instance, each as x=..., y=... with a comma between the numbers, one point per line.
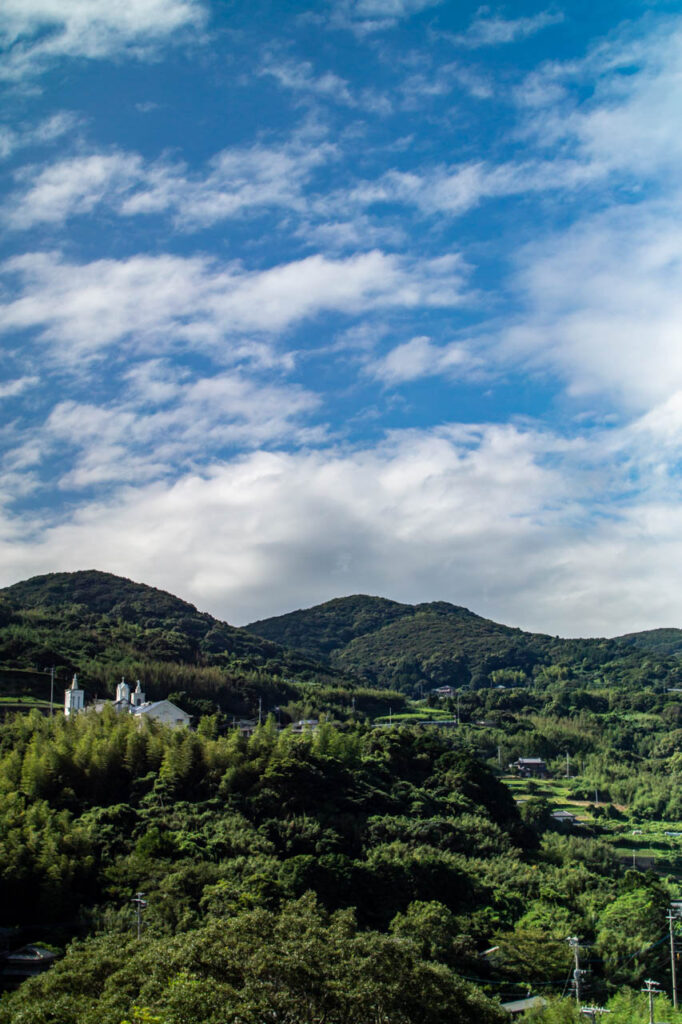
x=305, y=725
x=24, y=963
x=246, y=726
x=529, y=768
x=521, y=1005
x=564, y=818
x=128, y=703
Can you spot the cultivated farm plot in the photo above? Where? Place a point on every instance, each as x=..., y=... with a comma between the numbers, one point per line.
x=655, y=845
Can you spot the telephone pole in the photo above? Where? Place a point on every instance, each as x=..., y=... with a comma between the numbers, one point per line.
x=592, y=1011
x=574, y=943
x=140, y=903
x=674, y=914
x=52, y=691
x=652, y=989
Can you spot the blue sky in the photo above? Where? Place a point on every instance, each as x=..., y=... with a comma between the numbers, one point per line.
x=376, y=296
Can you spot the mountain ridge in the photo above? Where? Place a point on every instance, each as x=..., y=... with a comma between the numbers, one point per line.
x=96, y=622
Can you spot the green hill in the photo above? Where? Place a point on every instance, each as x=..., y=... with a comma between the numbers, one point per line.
x=435, y=644
x=103, y=626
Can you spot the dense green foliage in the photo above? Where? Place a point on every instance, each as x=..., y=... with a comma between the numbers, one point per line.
x=349, y=874
x=437, y=644
x=103, y=627
x=344, y=875
x=75, y=619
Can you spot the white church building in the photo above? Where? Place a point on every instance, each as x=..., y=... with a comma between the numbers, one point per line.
x=134, y=703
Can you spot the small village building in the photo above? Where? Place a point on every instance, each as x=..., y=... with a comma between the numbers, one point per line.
x=245, y=726
x=305, y=725
x=530, y=768
x=521, y=1005
x=24, y=963
x=564, y=818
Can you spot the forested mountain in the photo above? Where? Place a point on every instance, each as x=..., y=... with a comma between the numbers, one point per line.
x=104, y=626
x=64, y=617
x=437, y=643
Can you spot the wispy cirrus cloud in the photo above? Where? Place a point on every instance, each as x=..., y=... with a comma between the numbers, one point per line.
x=197, y=302
x=419, y=358
x=50, y=129
x=488, y=29
x=367, y=16
x=152, y=433
x=35, y=33
x=13, y=388
x=234, y=182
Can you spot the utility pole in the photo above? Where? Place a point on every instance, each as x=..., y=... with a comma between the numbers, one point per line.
x=499, y=755
x=674, y=914
x=592, y=1011
x=574, y=943
x=51, y=691
x=140, y=903
x=652, y=989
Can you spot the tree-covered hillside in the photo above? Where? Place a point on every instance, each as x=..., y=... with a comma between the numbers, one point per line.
x=434, y=644
x=104, y=626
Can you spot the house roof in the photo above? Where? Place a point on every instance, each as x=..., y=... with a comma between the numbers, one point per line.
x=519, y=1005
x=151, y=706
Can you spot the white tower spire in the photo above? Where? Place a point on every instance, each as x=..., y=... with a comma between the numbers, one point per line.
x=74, y=698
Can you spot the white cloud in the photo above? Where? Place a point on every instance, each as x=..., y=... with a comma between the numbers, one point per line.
x=491, y=516
x=44, y=132
x=146, y=300
x=69, y=187
x=456, y=189
x=36, y=32
x=420, y=358
x=300, y=77
x=167, y=422
x=487, y=30
x=12, y=388
x=366, y=16
x=234, y=182
x=604, y=305
x=629, y=123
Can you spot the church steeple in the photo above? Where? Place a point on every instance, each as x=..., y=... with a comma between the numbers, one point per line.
x=123, y=691
x=74, y=698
